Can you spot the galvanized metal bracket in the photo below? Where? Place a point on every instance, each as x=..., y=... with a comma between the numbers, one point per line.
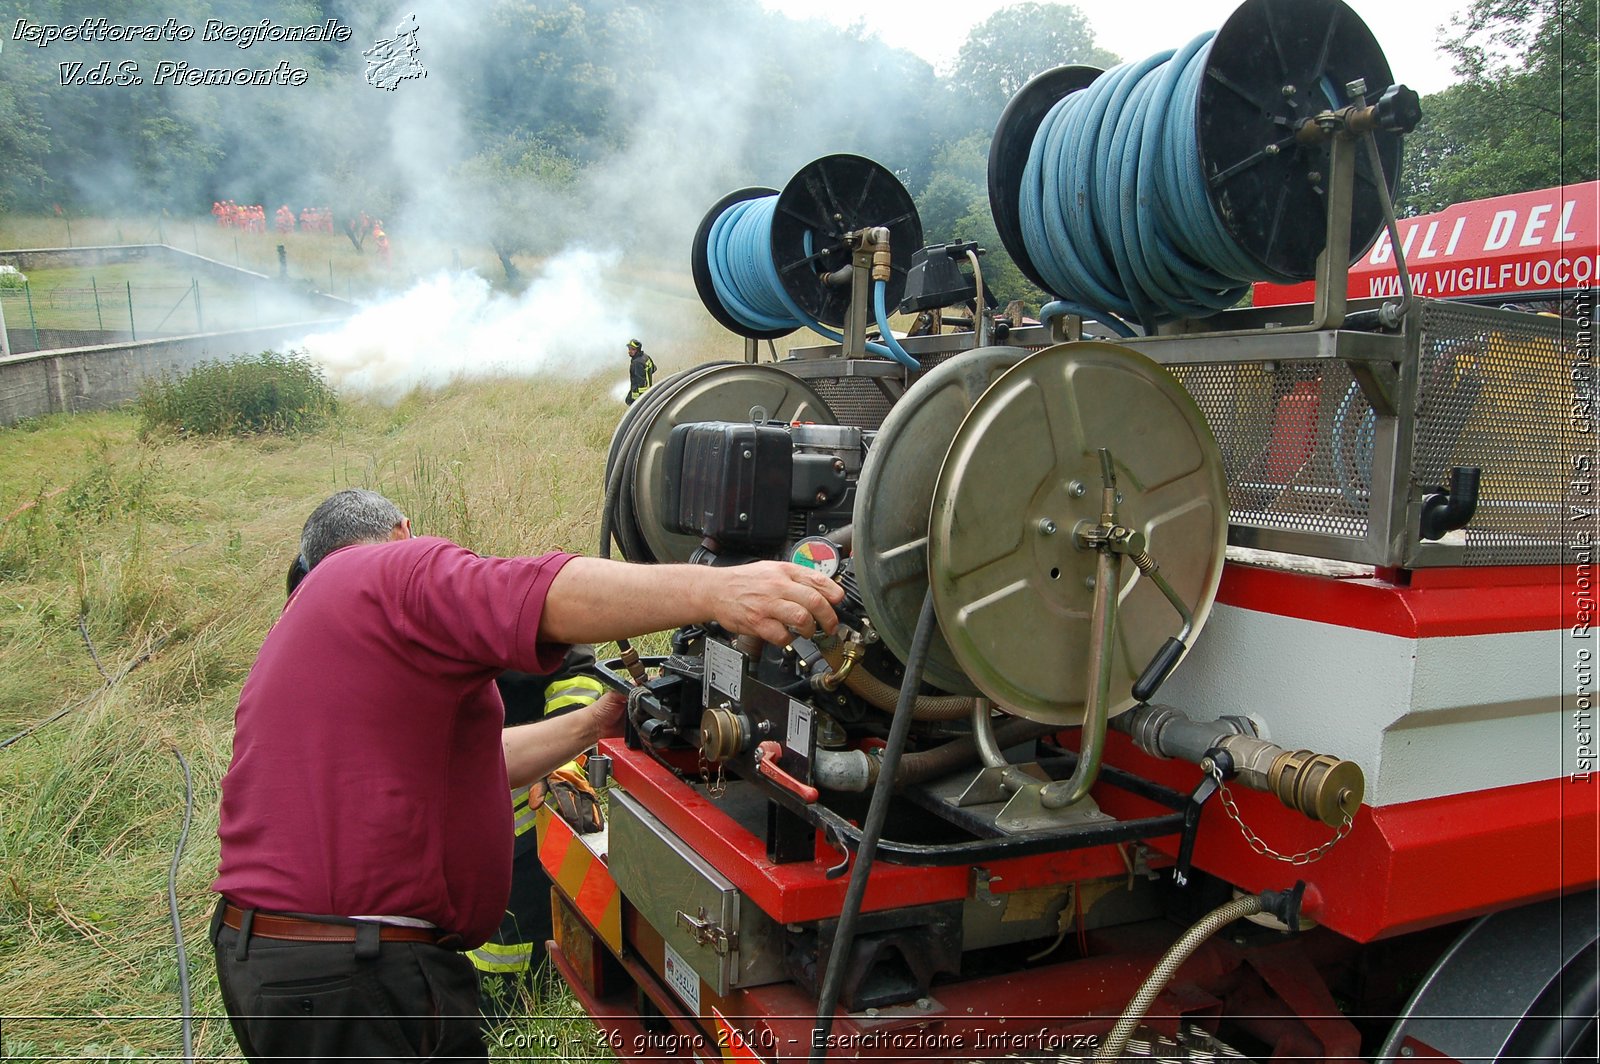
x=1380, y=384
x=989, y=786
x=1025, y=812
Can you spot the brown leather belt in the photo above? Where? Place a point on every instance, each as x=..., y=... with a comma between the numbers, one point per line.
x=296, y=929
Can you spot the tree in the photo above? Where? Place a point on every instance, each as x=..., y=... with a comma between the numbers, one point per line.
x=1012, y=45
x=954, y=205
x=518, y=190
x=24, y=141
x=1524, y=115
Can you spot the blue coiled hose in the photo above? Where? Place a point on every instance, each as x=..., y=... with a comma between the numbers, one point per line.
x=739, y=253
x=1113, y=206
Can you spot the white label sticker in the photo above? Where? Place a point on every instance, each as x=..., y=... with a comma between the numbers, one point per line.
x=800, y=728
x=682, y=978
x=724, y=669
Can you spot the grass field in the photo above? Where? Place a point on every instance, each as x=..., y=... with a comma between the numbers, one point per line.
x=137, y=579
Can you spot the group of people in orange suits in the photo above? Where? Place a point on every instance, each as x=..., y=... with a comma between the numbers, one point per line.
x=252, y=218
x=230, y=215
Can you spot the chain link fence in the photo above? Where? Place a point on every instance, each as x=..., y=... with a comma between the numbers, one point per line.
x=85, y=314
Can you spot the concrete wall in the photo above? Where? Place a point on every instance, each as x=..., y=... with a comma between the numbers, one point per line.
x=107, y=375
x=57, y=258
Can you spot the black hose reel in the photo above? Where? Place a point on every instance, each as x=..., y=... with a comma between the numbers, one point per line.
x=1273, y=66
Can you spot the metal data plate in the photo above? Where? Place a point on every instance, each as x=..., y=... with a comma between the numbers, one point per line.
x=1012, y=590
x=891, y=513
x=724, y=936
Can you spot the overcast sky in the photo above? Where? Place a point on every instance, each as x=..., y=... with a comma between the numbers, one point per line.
x=1408, y=30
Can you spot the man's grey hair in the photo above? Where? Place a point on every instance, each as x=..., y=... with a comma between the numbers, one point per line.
x=354, y=515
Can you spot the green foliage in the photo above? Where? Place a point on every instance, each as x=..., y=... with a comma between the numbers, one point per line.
x=1012, y=45
x=1000, y=273
x=1525, y=114
x=172, y=553
x=943, y=204
x=268, y=392
x=520, y=183
x=954, y=205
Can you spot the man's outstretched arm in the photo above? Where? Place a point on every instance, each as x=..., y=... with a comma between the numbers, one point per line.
x=593, y=600
x=534, y=750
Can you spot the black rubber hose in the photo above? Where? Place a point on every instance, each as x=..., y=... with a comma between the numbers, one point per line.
x=624, y=457
x=927, y=765
x=872, y=831
x=608, y=509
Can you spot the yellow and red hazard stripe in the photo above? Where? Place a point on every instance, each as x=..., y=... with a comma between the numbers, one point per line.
x=582, y=876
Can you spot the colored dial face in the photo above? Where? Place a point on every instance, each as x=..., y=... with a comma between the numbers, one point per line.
x=817, y=553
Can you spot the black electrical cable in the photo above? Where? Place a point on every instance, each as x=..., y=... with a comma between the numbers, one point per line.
x=872, y=830
x=172, y=907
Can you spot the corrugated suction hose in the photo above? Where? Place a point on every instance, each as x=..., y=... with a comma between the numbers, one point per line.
x=1161, y=975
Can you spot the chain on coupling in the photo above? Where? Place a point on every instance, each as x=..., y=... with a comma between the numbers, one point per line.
x=717, y=785
x=1258, y=844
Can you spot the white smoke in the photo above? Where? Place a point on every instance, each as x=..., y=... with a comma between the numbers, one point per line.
x=454, y=325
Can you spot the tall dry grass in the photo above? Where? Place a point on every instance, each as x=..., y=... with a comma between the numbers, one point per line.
x=137, y=579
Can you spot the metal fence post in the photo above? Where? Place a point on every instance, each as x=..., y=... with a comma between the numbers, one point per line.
x=132, y=333
x=199, y=320
x=5, y=337
x=98, y=319
x=27, y=290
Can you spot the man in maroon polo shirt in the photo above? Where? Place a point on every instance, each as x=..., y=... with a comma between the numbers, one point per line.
x=365, y=833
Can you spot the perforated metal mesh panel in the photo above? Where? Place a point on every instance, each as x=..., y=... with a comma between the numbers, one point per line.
x=1312, y=469
x=853, y=400
x=1492, y=392
x=859, y=401
x=1296, y=439
x=1478, y=388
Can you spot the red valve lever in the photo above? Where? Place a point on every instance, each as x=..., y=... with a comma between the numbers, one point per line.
x=767, y=754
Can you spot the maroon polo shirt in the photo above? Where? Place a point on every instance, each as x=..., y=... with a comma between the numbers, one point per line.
x=367, y=775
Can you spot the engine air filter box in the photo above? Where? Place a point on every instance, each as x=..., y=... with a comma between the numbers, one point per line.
x=729, y=482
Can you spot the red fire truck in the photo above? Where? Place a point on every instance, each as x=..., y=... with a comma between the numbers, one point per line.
x=1225, y=689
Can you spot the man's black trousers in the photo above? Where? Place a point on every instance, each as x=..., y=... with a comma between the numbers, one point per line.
x=332, y=1000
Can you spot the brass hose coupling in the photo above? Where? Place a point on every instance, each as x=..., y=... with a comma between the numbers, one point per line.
x=723, y=734
x=1321, y=786
x=875, y=240
x=854, y=650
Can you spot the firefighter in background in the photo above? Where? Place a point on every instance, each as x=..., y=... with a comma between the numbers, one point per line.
x=382, y=240
x=511, y=960
x=641, y=371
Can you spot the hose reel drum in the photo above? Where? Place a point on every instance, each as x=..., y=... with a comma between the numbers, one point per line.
x=979, y=482
x=981, y=476
x=1231, y=147
x=786, y=264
